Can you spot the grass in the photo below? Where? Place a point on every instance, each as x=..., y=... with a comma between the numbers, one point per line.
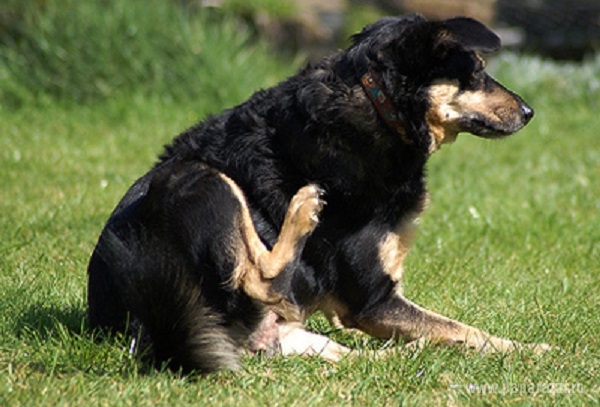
x=510, y=244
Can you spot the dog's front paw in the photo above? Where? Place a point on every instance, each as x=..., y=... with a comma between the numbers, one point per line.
x=305, y=208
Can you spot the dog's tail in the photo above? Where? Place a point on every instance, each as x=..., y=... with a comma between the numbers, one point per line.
x=185, y=333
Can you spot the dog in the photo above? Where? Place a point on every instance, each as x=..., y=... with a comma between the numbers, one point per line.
x=303, y=198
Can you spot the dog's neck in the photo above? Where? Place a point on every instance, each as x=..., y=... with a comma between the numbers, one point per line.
x=383, y=104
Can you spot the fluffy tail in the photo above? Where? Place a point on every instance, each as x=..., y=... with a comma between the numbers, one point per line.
x=160, y=293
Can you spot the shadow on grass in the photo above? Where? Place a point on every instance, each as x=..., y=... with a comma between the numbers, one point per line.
x=44, y=320
x=59, y=340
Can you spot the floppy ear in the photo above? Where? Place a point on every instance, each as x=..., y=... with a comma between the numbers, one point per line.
x=468, y=33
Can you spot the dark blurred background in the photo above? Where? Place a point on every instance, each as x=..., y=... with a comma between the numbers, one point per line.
x=560, y=29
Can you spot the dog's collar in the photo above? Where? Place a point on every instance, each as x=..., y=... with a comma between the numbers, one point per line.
x=382, y=102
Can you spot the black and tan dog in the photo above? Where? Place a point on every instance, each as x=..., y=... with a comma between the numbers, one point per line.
x=225, y=243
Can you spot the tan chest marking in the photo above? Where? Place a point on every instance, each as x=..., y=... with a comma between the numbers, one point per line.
x=396, y=244
x=393, y=249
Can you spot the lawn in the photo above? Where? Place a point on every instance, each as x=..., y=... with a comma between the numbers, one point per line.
x=510, y=244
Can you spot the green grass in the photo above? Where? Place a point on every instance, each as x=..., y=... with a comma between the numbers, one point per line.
x=511, y=244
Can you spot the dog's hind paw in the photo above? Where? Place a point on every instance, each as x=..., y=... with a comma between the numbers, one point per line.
x=305, y=208
x=294, y=339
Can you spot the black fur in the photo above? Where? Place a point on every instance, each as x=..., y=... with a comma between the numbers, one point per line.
x=161, y=258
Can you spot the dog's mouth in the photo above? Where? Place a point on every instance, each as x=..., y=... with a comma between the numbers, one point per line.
x=484, y=126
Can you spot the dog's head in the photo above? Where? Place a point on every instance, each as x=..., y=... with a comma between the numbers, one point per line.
x=434, y=74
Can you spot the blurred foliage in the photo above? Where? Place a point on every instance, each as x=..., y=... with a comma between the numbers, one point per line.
x=78, y=51
x=273, y=8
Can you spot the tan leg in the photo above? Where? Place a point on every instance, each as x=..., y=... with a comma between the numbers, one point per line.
x=300, y=220
x=400, y=318
x=257, y=265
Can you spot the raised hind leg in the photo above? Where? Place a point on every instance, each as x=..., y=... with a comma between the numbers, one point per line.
x=258, y=266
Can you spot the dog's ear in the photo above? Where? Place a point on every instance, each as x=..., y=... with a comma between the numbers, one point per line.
x=469, y=34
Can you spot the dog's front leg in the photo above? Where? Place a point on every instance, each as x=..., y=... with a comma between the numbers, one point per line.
x=397, y=317
x=374, y=302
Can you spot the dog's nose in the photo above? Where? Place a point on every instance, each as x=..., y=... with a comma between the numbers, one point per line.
x=527, y=112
